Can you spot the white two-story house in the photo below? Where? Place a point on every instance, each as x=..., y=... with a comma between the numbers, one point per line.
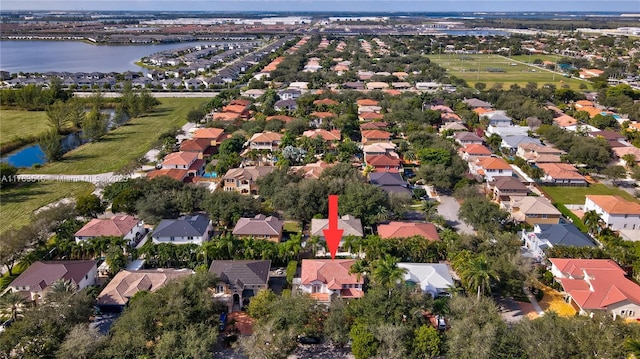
x=615, y=211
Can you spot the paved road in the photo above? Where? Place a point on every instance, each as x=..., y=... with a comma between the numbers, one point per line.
x=193, y=94
x=448, y=208
x=97, y=179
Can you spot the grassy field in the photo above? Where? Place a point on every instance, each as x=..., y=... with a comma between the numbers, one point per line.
x=22, y=124
x=474, y=69
x=126, y=143
x=575, y=195
x=17, y=204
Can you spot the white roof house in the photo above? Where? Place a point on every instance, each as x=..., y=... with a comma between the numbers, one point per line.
x=433, y=278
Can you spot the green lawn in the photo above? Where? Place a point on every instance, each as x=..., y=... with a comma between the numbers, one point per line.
x=121, y=146
x=17, y=204
x=21, y=124
x=292, y=226
x=475, y=68
x=575, y=195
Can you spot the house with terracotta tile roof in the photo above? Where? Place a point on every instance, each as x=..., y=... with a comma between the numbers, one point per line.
x=127, y=283
x=562, y=174
x=384, y=163
x=583, y=103
x=311, y=170
x=244, y=180
x=226, y=116
x=590, y=73
x=565, y=121
x=370, y=116
x=265, y=141
x=201, y=146
x=176, y=174
x=432, y=278
x=215, y=135
x=473, y=152
x=239, y=280
x=490, y=167
x=329, y=136
x=188, y=161
x=259, y=227
x=597, y=285
x=592, y=111
x=130, y=228
x=325, y=102
x=375, y=136
x=396, y=229
x=615, y=211
x=367, y=102
x=450, y=117
x=328, y=279
x=532, y=210
x=481, y=111
x=35, y=282
x=545, y=236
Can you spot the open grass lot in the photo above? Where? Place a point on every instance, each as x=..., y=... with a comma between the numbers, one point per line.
x=18, y=203
x=575, y=195
x=475, y=68
x=121, y=146
x=22, y=124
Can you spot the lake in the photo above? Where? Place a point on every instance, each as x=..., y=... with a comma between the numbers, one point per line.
x=76, y=56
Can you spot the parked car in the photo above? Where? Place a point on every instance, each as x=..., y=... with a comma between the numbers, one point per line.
x=442, y=323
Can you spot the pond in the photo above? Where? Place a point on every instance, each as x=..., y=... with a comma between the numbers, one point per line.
x=33, y=155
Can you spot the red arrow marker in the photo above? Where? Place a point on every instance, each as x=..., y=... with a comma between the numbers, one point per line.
x=333, y=235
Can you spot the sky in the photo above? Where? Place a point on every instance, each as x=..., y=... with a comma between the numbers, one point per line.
x=627, y=6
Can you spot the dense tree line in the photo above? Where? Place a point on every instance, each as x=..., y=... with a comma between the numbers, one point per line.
x=593, y=152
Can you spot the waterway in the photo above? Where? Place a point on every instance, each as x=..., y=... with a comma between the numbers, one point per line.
x=76, y=56
x=30, y=155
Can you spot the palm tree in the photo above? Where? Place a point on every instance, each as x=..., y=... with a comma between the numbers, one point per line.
x=633, y=345
x=61, y=290
x=360, y=267
x=385, y=272
x=13, y=301
x=629, y=160
x=477, y=274
x=593, y=221
x=312, y=244
x=430, y=209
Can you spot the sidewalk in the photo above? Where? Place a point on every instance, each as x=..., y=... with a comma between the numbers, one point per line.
x=533, y=301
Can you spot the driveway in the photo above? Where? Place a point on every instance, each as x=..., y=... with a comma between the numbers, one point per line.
x=448, y=209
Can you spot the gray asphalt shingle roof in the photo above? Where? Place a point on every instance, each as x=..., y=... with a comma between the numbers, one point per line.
x=564, y=234
x=185, y=226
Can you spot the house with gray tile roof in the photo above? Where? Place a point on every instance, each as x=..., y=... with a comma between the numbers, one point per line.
x=35, y=282
x=184, y=230
x=239, y=280
x=546, y=236
x=260, y=227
